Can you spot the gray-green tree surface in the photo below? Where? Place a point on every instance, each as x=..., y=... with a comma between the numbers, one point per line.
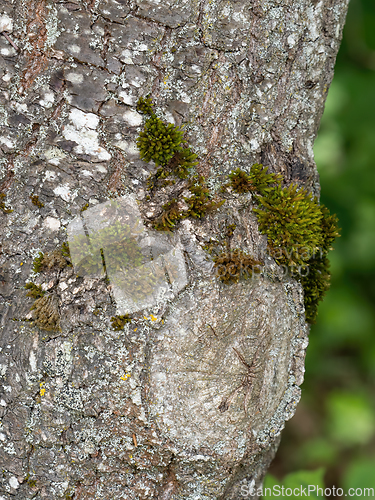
x=89, y=412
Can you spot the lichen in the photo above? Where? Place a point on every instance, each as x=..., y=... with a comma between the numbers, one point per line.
x=119, y=322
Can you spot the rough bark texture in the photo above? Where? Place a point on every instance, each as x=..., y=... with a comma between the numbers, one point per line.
x=89, y=412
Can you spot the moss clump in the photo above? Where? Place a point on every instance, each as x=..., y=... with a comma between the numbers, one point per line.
x=35, y=291
x=258, y=180
x=35, y=201
x=65, y=250
x=300, y=232
x=57, y=259
x=85, y=207
x=315, y=285
x=291, y=218
x=118, y=322
x=144, y=105
x=3, y=207
x=46, y=313
x=164, y=144
x=231, y=266
x=159, y=141
x=38, y=263
x=170, y=216
x=199, y=202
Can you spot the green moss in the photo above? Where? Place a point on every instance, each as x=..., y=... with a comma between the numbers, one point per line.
x=118, y=322
x=38, y=263
x=85, y=207
x=257, y=181
x=159, y=141
x=3, y=207
x=46, y=313
x=35, y=291
x=55, y=259
x=315, y=284
x=65, y=251
x=35, y=201
x=144, y=105
x=164, y=144
x=199, y=202
x=291, y=218
x=170, y=216
x=231, y=266
x=300, y=232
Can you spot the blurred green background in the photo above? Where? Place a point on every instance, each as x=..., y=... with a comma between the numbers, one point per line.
x=334, y=426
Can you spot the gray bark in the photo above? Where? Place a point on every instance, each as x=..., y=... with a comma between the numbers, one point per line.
x=89, y=412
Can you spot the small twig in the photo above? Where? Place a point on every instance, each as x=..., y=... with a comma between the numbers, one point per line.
x=10, y=40
x=135, y=440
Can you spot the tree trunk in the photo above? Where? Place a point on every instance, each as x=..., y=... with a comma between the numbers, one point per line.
x=167, y=407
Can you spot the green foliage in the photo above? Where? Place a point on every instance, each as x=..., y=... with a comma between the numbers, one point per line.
x=231, y=266
x=85, y=207
x=118, y=322
x=35, y=201
x=3, y=207
x=144, y=105
x=35, y=291
x=159, y=142
x=293, y=482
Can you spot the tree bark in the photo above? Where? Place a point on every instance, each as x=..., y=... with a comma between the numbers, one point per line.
x=89, y=412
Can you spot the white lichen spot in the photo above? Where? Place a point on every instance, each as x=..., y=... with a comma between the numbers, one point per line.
x=83, y=132
x=51, y=223
x=292, y=40
x=7, y=77
x=48, y=100
x=2, y=402
x=127, y=99
x=32, y=361
x=76, y=78
x=129, y=147
x=63, y=286
x=133, y=118
x=54, y=155
x=75, y=49
x=50, y=176
x=2, y=437
x=65, y=192
x=126, y=56
x=13, y=482
x=6, y=23
x=7, y=142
